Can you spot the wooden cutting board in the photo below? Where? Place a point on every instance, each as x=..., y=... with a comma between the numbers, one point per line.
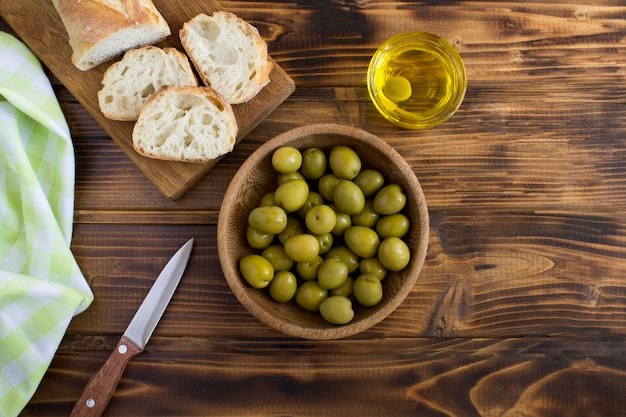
x=39, y=26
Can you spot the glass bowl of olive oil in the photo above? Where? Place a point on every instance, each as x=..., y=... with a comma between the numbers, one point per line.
x=416, y=80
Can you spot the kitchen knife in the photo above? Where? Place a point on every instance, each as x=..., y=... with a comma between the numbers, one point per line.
x=100, y=388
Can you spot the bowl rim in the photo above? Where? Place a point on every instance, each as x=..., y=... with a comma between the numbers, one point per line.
x=241, y=290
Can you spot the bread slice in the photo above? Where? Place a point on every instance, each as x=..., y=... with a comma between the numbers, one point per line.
x=228, y=53
x=100, y=30
x=191, y=124
x=127, y=84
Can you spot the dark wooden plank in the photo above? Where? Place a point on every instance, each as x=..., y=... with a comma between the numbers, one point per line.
x=391, y=377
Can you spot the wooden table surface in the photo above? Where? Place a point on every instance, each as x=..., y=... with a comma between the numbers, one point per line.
x=520, y=309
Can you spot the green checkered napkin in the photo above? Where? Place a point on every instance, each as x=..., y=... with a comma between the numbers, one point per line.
x=41, y=286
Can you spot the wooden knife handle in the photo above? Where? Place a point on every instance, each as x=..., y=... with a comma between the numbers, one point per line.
x=101, y=386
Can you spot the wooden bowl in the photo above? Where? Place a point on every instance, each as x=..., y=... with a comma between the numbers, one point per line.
x=257, y=176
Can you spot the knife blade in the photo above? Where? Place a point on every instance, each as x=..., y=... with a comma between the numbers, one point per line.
x=101, y=386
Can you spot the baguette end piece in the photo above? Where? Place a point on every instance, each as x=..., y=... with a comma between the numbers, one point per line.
x=100, y=30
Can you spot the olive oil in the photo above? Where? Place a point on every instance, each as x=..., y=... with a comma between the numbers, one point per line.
x=416, y=80
x=429, y=77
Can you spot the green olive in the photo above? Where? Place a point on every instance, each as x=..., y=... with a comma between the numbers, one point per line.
x=346, y=255
x=327, y=221
x=286, y=159
x=394, y=254
x=302, y=248
x=344, y=289
x=337, y=310
x=258, y=240
x=393, y=225
x=313, y=199
x=369, y=181
x=292, y=195
x=320, y=219
x=373, y=266
x=397, y=89
x=348, y=197
x=366, y=217
x=278, y=257
x=390, y=199
x=363, y=241
x=283, y=178
x=310, y=295
x=256, y=270
x=294, y=227
x=283, y=287
x=368, y=290
x=343, y=222
x=268, y=219
x=308, y=270
x=326, y=185
x=332, y=273
x=344, y=162
x=268, y=199
x=314, y=163
x=326, y=241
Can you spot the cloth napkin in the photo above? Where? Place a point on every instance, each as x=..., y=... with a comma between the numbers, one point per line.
x=41, y=285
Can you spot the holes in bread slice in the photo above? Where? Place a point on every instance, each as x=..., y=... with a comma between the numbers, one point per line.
x=188, y=140
x=180, y=114
x=148, y=91
x=206, y=119
x=159, y=139
x=123, y=102
x=186, y=101
x=207, y=29
x=223, y=54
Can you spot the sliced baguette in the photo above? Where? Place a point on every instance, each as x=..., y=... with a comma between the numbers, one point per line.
x=127, y=84
x=100, y=30
x=228, y=53
x=190, y=124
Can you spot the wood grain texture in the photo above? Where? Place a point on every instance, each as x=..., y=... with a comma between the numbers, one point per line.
x=173, y=179
x=430, y=378
x=520, y=309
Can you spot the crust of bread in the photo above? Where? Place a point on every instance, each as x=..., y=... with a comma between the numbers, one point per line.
x=174, y=125
x=211, y=54
x=100, y=30
x=129, y=83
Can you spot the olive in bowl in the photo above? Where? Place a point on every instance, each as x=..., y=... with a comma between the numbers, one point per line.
x=258, y=176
